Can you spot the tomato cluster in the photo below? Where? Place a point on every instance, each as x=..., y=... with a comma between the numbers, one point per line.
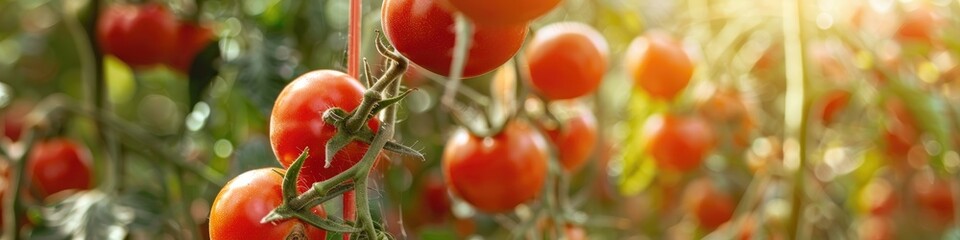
x=149, y=35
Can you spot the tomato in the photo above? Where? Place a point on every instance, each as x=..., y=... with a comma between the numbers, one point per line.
x=832, y=103
x=902, y=131
x=140, y=36
x=659, y=65
x=678, y=143
x=876, y=228
x=13, y=119
x=424, y=33
x=920, y=25
x=934, y=196
x=238, y=208
x=727, y=109
x=575, y=140
x=495, y=174
x=711, y=206
x=574, y=232
x=59, y=164
x=879, y=198
x=434, y=203
x=566, y=60
x=502, y=12
x=297, y=123
x=191, y=39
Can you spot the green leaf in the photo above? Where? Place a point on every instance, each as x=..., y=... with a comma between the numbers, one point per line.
x=289, y=186
x=203, y=70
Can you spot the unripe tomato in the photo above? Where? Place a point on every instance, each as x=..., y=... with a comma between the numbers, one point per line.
x=831, y=104
x=496, y=174
x=575, y=140
x=678, y=143
x=141, y=36
x=711, y=206
x=502, y=12
x=59, y=164
x=297, y=123
x=238, y=208
x=13, y=119
x=567, y=60
x=191, y=39
x=659, y=65
x=424, y=32
x=934, y=196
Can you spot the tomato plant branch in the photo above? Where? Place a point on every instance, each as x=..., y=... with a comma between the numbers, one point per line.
x=795, y=122
x=461, y=50
x=13, y=201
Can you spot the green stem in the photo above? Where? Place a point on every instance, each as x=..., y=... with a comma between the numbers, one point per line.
x=461, y=49
x=13, y=200
x=795, y=121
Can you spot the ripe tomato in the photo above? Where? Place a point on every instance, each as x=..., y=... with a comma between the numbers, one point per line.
x=920, y=25
x=191, y=39
x=434, y=203
x=297, y=123
x=659, y=65
x=502, y=12
x=140, y=36
x=238, y=208
x=566, y=60
x=727, y=108
x=496, y=174
x=575, y=140
x=59, y=164
x=13, y=118
x=678, y=143
x=831, y=104
x=711, y=206
x=424, y=33
x=934, y=196
x=902, y=132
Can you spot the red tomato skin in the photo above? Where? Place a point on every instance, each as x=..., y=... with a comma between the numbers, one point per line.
x=141, y=36
x=238, y=208
x=934, y=197
x=576, y=140
x=567, y=60
x=434, y=201
x=424, y=32
x=297, y=123
x=659, y=65
x=496, y=174
x=191, y=39
x=502, y=12
x=678, y=143
x=711, y=206
x=832, y=104
x=59, y=164
x=13, y=120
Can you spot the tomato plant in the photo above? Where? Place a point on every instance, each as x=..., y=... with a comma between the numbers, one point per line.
x=497, y=173
x=566, y=60
x=658, y=64
x=59, y=164
x=238, y=208
x=502, y=12
x=296, y=123
x=141, y=36
x=575, y=139
x=678, y=143
x=710, y=205
x=422, y=31
x=191, y=39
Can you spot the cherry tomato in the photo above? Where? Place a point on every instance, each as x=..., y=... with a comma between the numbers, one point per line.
x=238, y=208
x=424, y=33
x=659, y=65
x=495, y=174
x=191, y=39
x=575, y=140
x=502, y=12
x=831, y=105
x=934, y=196
x=727, y=109
x=901, y=130
x=711, y=206
x=678, y=143
x=566, y=60
x=920, y=25
x=434, y=203
x=141, y=36
x=59, y=164
x=13, y=118
x=297, y=123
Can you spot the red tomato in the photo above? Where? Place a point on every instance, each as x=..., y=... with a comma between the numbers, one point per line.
x=297, y=123
x=191, y=39
x=934, y=196
x=711, y=206
x=678, y=143
x=59, y=164
x=659, y=65
x=502, y=12
x=238, y=208
x=434, y=202
x=727, y=108
x=496, y=174
x=567, y=60
x=575, y=140
x=140, y=36
x=13, y=118
x=424, y=33
x=902, y=132
x=831, y=104
x=920, y=25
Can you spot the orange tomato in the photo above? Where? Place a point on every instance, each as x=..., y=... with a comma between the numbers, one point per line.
x=659, y=65
x=711, y=206
x=678, y=143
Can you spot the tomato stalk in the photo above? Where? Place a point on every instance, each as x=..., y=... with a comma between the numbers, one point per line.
x=13, y=200
x=795, y=122
x=461, y=50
